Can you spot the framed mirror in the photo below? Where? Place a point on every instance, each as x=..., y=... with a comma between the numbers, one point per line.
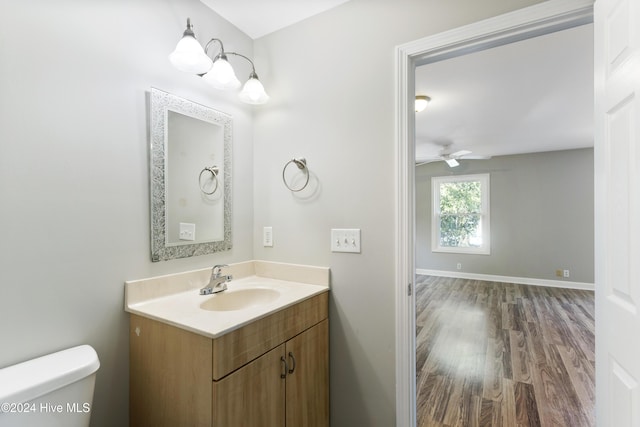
x=190, y=178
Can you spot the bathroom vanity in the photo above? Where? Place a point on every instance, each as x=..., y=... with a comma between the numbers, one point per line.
x=256, y=354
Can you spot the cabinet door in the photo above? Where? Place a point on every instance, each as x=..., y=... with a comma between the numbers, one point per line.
x=169, y=376
x=307, y=388
x=252, y=396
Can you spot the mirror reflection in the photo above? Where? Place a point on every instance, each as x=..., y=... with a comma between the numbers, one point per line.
x=193, y=181
x=190, y=178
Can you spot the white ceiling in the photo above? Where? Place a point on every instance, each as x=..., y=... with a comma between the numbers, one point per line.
x=259, y=17
x=531, y=96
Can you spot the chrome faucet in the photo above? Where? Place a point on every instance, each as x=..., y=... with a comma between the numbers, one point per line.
x=217, y=282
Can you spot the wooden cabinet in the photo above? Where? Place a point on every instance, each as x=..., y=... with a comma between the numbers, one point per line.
x=253, y=395
x=307, y=392
x=271, y=372
x=285, y=387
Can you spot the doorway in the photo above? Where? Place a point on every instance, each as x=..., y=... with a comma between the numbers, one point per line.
x=504, y=29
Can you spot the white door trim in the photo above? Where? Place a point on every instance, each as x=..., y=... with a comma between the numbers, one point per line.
x=543, y=18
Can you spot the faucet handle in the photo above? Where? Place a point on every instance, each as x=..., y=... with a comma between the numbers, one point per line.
x=217, y=269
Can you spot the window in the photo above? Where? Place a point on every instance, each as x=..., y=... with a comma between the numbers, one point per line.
x=460, y=220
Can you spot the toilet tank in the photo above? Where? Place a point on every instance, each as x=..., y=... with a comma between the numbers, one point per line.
x=52, y=390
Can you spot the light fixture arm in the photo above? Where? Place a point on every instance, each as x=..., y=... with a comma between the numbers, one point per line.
x=253, y=68
x=189, y=30
x=224, y=54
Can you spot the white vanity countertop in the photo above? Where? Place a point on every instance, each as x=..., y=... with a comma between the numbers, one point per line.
x=175, y=299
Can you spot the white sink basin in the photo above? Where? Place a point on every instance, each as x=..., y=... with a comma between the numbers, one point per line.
x=240, y=299
x=176, y=300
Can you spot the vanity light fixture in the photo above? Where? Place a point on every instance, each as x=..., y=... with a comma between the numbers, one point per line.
x=190, y=57
x=421, y=102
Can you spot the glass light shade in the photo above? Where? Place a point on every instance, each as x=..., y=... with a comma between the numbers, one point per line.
x=421, y=102
x=221, y=75
x=253, y=92
x=190, y=57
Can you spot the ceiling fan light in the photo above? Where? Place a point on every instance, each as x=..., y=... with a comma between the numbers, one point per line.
x=421, y=102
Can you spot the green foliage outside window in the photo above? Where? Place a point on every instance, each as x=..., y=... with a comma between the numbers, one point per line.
x=460, y=214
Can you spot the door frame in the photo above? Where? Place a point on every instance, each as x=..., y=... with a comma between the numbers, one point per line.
x=543, y=18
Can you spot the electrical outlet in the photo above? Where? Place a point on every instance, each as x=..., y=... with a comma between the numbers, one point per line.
x=187, y=231
x=558, y=273
x=459, y=266
x=566, y=273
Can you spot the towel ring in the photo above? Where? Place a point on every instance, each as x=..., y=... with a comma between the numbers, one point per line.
x=214, y=174
x=302, y=165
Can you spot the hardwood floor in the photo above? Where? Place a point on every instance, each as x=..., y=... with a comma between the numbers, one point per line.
x=502, y=354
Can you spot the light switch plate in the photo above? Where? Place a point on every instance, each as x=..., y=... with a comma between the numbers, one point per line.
x=187, y=231
x=267, y=237
x=345, y=240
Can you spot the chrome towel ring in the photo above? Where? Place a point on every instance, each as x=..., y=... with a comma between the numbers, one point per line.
x=301, y=163
x=213, y=170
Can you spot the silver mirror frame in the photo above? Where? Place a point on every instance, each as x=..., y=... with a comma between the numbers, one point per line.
x=161, y=103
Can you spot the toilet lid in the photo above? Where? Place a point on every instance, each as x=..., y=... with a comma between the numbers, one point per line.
x=36, y=377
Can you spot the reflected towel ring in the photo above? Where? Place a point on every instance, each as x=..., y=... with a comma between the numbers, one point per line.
x=214, y=174
x=302, y=165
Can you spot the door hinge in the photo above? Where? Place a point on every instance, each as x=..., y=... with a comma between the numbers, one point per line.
x=409, y=289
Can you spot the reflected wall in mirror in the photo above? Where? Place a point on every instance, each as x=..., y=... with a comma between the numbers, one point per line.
x=190, y=178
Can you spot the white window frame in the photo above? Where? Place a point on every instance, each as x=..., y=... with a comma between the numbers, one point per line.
x=485, y=218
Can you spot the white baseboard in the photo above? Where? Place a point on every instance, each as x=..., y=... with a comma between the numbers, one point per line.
x=508, y=279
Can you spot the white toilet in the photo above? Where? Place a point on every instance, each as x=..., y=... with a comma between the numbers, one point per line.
x=52, y=390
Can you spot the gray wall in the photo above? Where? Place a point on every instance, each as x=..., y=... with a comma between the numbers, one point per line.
x=74, y=172
x=331, y=79
x=541, y=216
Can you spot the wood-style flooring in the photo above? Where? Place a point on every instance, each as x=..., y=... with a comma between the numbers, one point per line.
x=502, y=354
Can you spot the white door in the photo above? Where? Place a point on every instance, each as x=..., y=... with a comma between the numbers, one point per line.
x=617, y=213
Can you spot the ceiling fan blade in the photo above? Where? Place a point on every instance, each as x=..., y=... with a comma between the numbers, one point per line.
x=477, y=157
x=460, y=153
x=425, y=161
x=452, y=163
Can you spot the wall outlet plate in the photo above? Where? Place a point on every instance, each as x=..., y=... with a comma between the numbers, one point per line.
x=267, y=237
x=345, y=240
x=187, y=231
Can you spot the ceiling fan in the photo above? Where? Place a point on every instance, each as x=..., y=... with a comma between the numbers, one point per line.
x=451, y=157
